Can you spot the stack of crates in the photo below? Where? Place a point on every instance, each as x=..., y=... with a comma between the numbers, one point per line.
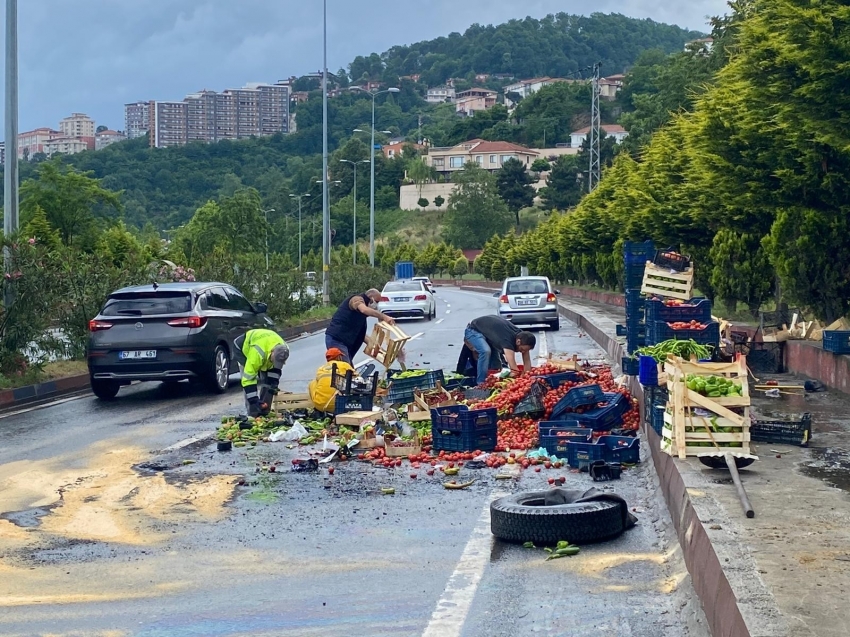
x=635, y=256
x=659, y=316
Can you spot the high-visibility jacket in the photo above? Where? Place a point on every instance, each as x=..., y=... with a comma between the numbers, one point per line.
x=322, y=392
x=257, y=350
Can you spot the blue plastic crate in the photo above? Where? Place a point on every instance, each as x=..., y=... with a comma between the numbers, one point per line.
x=647, y=371
x=355, y=402
x=836, y=341
x=621, y=330
x=695, y=310
x=620, y=449
x=554, y=436
x=654, y=406
x=462, y=418
x=635, y=343
x=581, y=454
x=635, y=304
x=401, y=390
x=630, y=366
x=459, y=383
x=633, y=278
x=481, y=439
x=605, y=418
x=556, y=380
x=636, y=249
x=660, y=331
x=578, y=397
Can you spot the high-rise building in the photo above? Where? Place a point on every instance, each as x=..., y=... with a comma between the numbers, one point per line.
x=136, y=119
x=254, y=110
x=78, y=126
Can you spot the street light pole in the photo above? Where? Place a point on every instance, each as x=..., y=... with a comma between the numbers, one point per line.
x=354, y=221
x=326, y=213
x=266, y=215
x=299, y=198
x=10, y=198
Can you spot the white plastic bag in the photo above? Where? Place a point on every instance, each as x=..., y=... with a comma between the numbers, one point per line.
x=295, y=433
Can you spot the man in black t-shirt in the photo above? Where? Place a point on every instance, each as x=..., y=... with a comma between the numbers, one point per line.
x=488, y=335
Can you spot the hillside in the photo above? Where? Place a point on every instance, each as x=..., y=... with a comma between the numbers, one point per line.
x=163, y=187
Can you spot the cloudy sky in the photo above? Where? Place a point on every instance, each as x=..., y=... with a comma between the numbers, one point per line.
x=93, y=56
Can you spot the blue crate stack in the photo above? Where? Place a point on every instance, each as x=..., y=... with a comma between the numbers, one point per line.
x=635, y=256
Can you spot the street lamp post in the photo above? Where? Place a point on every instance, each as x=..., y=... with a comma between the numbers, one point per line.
x=10, y=194
x=299, y=198
x=326, y=210
x=266, y=215
x=354, y=221
x=372, y=181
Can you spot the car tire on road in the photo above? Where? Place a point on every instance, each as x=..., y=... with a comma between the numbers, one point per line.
x=217, y=379
x=105, y=389
x=429, y=315
x=522, y=517
x=555, y=326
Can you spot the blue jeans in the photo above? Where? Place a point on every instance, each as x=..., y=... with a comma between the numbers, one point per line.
x=330, y=341
x=486, y=356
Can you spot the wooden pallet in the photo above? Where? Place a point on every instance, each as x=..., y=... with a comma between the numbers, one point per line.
x=687, y=434
x=291, y=402
x=667, y=283
x=385, y=343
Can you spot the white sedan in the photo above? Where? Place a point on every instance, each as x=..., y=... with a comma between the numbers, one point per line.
x=407, y=299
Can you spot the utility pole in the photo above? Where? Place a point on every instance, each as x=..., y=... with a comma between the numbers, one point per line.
x=266, y=216
x=299, y=198
x=10, y=173
x=595, y=173
x=326, y=211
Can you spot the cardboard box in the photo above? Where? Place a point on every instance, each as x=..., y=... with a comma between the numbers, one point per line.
x=357, y=419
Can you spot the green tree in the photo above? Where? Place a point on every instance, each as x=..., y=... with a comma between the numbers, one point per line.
x=563, y=186
x=439, y=201
x=540, y=165
x=475, y=212
x=460, y=267
x=419, y=173
x=514, y=184
x=741, y=270
x=422, y=202
x=39, y=228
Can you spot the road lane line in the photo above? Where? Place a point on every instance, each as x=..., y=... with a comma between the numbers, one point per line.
x=543, y=349
x=450, y=614
x=439, y=321
x=448, y=311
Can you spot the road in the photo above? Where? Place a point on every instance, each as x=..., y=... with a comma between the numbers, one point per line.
x=122, y=519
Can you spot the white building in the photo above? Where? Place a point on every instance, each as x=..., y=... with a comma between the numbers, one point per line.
x=524, y=88
x=611, y=130
x=77, y=125
x=136, y=119
x=107, y=137
x=64, y=146
x=440, y=95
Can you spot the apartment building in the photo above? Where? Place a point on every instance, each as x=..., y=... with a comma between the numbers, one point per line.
x=524, y=88
x=136, y=119
x=33, y=142
x=473, y=100
x=107, y=137
x=79, y=126
x=252, y=111
x=65, y=145
x=440, y=95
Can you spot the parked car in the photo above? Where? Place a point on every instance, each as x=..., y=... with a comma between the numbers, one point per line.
x=529, y=300
x=407, y=298
x=169, y=332
x=428, y=285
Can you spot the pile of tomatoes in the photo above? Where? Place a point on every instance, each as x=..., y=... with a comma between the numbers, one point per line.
x=687, y=325
x=516, y=433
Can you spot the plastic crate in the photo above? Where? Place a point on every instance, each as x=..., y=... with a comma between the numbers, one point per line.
x=345, y=383
x=647, y=371
x=556, y=380
x=578, y=397
x=654, y=405
x=636, y=249
x=620, y=449
x=621, y=330
x=555, y=436
x=459, y=383
x=532, y=404
x=401, y=390
x=633, y=344
x=581, y=454
x=630, y=366
x=786, y=432
x=672, y=261
x=459, y=428
x=605, y=418
x=355, y=402
x=837, y=341
x=695, y=310
x=633, y=278
x=660, y=331
x=635, y=305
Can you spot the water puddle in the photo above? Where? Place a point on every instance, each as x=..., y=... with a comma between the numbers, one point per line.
x=28, y=518
x=830, y=465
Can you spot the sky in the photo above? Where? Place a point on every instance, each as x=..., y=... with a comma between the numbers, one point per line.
x=93, y=56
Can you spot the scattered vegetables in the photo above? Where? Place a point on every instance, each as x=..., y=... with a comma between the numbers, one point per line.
x=713, y=386
x=683, y=349
x=455, y=485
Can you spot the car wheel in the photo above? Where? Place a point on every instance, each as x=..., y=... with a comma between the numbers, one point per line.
x=105, y=389
x=555, y=326
x=428, y=315
x=219, y=375
x=524, y=517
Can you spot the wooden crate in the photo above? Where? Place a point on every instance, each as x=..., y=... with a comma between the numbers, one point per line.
x=385, y=343
x=666, y=283
x=413, y=447
x=285, y=401
x=357, y=419
x=419, y=410
x=566, y=364
x=368, y=440
x=687, y=434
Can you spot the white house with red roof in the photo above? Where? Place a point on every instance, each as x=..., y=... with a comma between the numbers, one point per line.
x=616, y=131
x=488, y=155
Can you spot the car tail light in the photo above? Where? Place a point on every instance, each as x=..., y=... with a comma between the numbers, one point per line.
x=384, y=299
x=189, y=321
x=504, y=299
x=551, y=298
x=98, y=326
x=420, y=297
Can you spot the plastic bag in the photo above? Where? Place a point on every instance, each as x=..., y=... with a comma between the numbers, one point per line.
x=293, y=434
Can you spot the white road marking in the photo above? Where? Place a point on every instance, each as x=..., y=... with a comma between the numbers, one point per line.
x=450, y=614
x=448, y=304
x=439, y=321
x=448, y=311
x=543, y=349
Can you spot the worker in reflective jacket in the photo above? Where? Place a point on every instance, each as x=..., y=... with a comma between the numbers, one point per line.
x=265, y=354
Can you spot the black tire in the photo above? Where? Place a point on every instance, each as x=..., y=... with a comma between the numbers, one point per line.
x=216, y=379
x=105, y=389
x=555, y=326
x=428, y=315
x=518, y=518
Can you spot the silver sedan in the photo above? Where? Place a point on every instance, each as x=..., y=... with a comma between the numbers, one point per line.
x=407, y=299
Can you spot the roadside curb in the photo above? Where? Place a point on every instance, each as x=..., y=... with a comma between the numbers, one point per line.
x=710, y=581
x=70, y=384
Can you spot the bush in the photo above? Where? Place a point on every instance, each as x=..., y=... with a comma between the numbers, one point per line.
x=422, y=203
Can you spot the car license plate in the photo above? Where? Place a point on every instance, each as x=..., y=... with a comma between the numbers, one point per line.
x=137, y=355
x=526, y=302
x=401, y=299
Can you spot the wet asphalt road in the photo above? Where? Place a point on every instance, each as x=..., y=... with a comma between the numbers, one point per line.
x=91, y=544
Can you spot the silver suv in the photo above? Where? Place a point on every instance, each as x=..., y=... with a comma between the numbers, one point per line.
x=529, y=300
